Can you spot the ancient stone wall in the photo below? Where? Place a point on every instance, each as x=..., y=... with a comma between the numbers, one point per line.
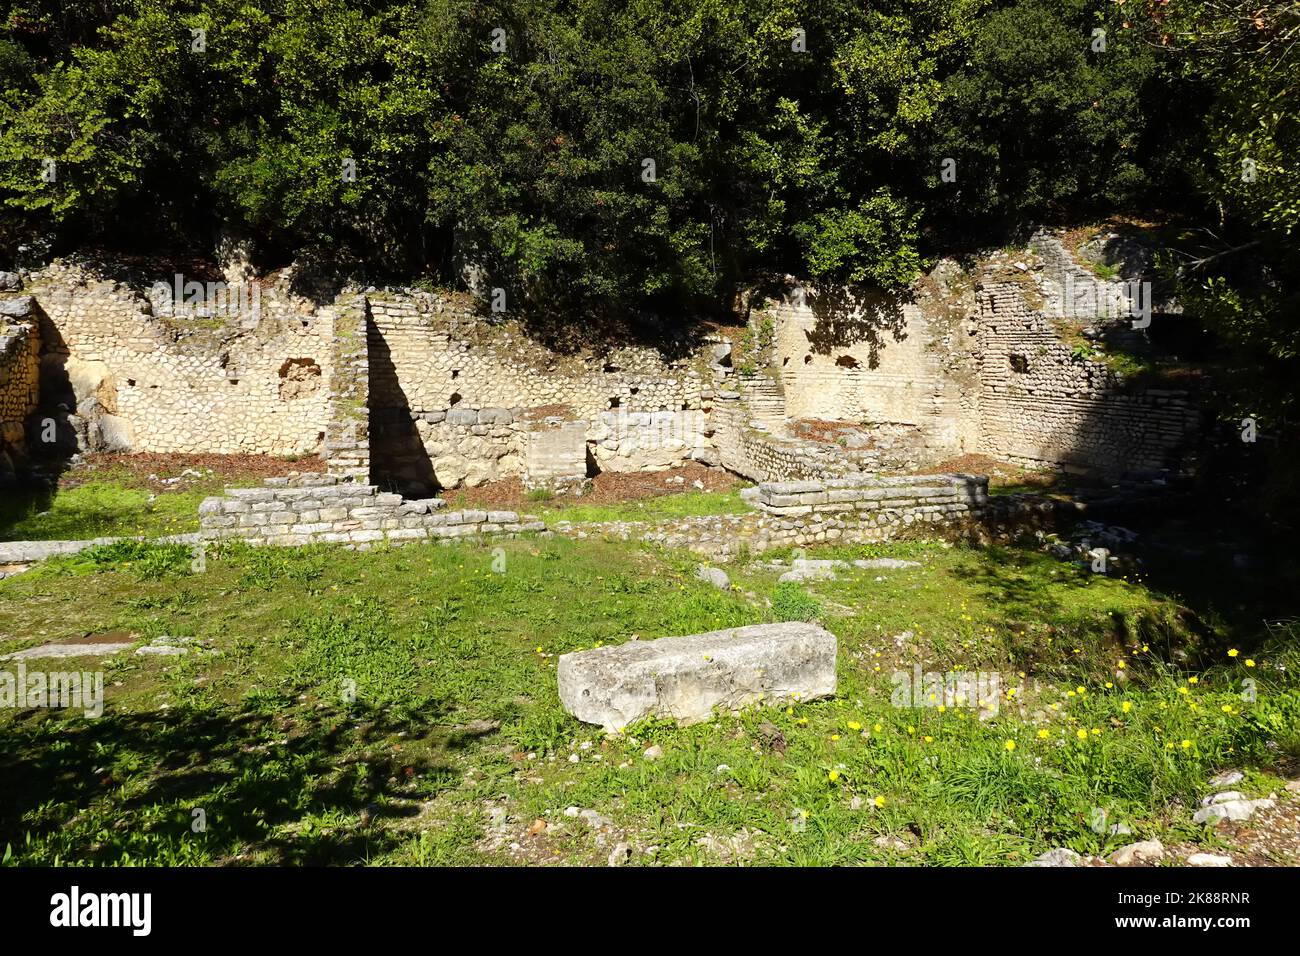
x=1041, y=402
x=858, y=356
x=346, y=448
x=761, y=456
x=454, y=398
x=187, y=378
x=20, y=344
x=415, y=392
x=324, y=509
x=850, y=509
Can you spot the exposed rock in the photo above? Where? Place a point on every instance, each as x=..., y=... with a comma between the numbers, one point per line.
x=1236, y=810
x=1228, y=796
x=715, y=576
x=18, y=307
x=800, y=575
x=1227, y=778
x=1145, y=853
x=1208, y=859
x=621, y=853
x=1058, y=857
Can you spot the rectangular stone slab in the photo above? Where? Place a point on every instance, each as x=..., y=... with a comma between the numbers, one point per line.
x=687, y=677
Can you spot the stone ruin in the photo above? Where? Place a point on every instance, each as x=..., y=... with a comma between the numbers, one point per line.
x=405, y=393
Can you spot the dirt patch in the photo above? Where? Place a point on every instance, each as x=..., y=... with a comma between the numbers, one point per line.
x=821, y=430
x=108, y=637
x=1001, y=474
x=606, y=488
x=164, y=472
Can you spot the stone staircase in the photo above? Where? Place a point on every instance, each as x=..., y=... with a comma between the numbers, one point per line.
x=764, y=401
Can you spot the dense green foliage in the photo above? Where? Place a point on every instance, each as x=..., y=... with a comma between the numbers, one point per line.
x=524, y=152
x=513, y=137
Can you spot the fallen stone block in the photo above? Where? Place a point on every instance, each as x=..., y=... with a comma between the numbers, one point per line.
x=685, y=678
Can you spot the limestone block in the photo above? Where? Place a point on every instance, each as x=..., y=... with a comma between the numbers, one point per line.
x=450, y=470
x=687, y=677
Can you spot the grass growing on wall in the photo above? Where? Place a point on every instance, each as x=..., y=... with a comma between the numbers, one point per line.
x=686, y=504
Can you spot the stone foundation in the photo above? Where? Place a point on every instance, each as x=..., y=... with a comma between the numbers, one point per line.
x=324, y=509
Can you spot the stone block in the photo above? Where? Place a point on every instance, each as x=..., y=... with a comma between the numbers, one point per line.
x=685, y=678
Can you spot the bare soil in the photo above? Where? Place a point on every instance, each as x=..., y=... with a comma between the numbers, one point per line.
x=148, y=469
x=608, y=487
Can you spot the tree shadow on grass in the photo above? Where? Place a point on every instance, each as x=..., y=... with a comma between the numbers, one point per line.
x=129, y=783
x=1021, y=586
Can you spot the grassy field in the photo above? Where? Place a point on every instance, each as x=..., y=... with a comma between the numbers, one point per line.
x=120, y=505
x=110, y=501
x=454, y=748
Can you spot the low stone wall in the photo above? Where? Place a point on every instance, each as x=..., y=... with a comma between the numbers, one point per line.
x=760, y=456
x=324, y=509
x=855, y=509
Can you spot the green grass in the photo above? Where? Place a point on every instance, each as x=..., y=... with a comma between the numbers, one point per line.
x=368, y=707
x=686, y=504
x=107, y=506
x=99, y=509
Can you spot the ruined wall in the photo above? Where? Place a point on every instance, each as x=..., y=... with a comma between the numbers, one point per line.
x=326, y=509
x=454, y=398
x=859, y=356
x=1040, y=402
x=347, y=427
x=415, y=392
x=19, y=381
x=188, y=381
x=977, y=366
x=760, y=456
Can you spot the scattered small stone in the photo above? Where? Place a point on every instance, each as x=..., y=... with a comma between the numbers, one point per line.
x=1208, y=859
x=887, y=842
x=621, y=853
x=1228, y=796
x=1231, y=810
x=653, y=753
x=161, y=650
x=799, y=575
x=715, y=576
x=1227, y=778
x=1058, y=857
x=1145, y=853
